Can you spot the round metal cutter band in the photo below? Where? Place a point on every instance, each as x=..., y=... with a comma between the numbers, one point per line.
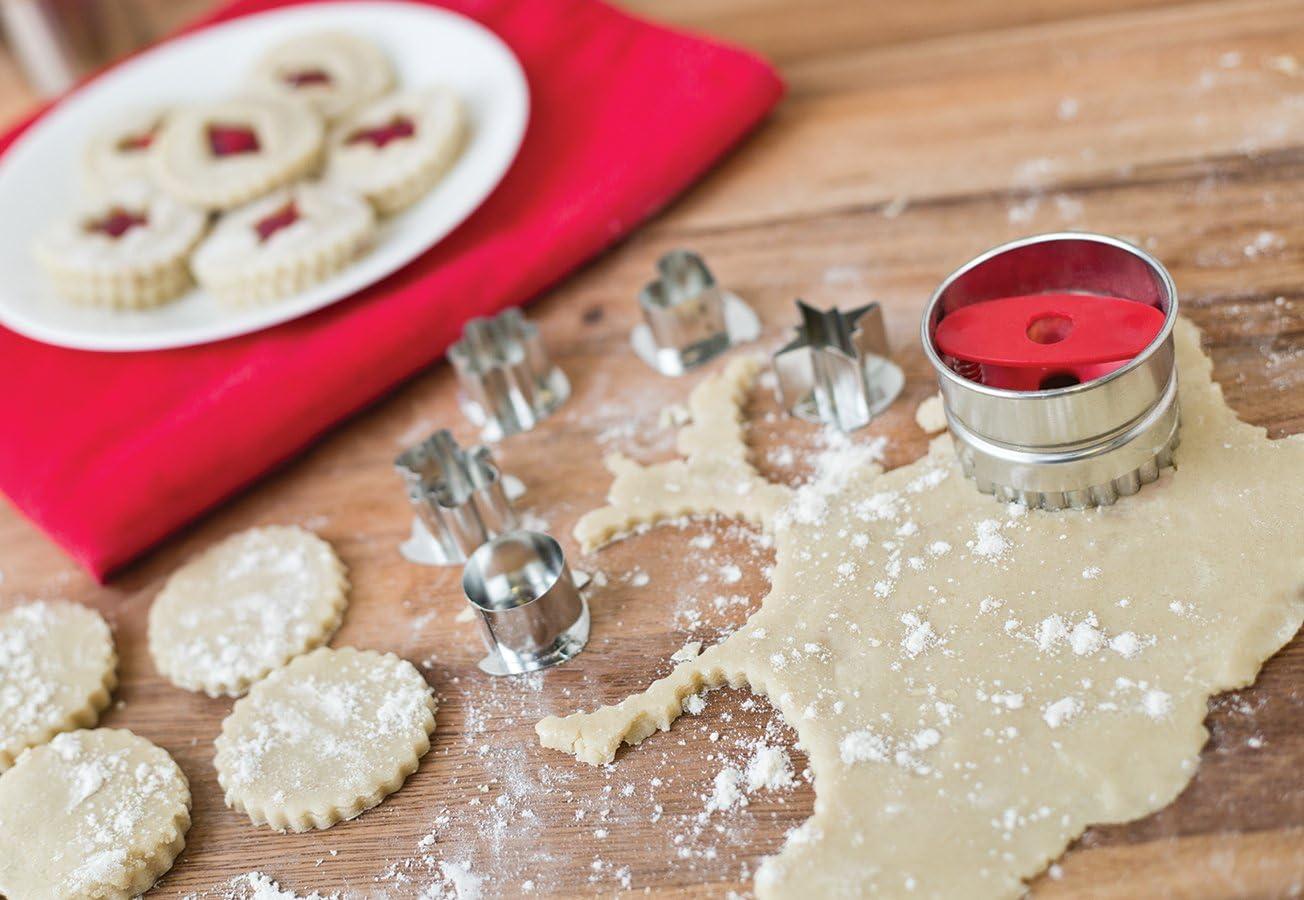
x=1076, y=444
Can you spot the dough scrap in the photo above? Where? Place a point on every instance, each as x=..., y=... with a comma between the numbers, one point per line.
x=246, y=606
x=92, y=814
x=1019, y=675
x=930, y=416
x=715, y=476
x=325, y=738
x=57, y=670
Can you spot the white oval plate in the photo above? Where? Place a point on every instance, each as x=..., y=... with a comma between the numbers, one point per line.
x=40, y=177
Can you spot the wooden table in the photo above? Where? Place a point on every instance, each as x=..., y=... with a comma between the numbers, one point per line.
x=914, y=136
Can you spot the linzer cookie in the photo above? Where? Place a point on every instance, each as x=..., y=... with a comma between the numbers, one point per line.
x=325, y=738
x=396, y=149
x=57, y=668
x=334, y=73
x=283, y=243
x=120, y=151
x=222, y=155
x=126, y=251
x=92, y=814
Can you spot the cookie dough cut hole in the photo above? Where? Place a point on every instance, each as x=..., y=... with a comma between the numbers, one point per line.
x=396, y=129
x=232, y=140
x=139, y=142
x=116, y=222
x=307, y=78
x=284, y=217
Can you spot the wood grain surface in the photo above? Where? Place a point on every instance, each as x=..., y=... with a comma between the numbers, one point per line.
x=915, y=135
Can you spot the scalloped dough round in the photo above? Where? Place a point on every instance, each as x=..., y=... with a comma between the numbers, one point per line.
x=246, y=606
x=333, y=72
x=57, y=669
x=92, y=814
x=325, y=738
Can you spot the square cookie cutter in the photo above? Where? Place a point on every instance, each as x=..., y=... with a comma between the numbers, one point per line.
x=688, y=319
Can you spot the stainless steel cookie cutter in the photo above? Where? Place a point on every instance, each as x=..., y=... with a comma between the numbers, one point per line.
x=1068, y=444
x=837, y=371
x=458, y=495
x=532, y=615
x=688, y=319
x=508, y=383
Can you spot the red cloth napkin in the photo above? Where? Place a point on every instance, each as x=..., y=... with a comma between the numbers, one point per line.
x=109, y=453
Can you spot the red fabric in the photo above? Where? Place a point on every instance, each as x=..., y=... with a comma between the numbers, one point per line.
x=109, y=453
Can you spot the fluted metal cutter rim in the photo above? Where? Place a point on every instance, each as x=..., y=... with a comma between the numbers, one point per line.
x=1080, y=445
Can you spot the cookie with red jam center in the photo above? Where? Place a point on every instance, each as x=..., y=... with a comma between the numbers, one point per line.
x=223, y=155
x=398, y=148
x=334, y=73
x=283, y=243
x=128, y=250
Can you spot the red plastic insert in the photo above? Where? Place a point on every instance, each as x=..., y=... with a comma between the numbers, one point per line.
x=1041, y=341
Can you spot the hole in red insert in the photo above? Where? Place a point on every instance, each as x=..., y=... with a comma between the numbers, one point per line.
x=1050, y=328
x=232, y=140
x=306, y=78
x=116, y=222
x=1058, y=380
x=398, y=128
x=284, y=217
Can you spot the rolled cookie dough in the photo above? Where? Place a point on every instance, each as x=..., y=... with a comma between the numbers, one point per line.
x=246, y=606
x=57, y=669
x=325, y=738
x=92, y=814
x=1018, y=675
x=714, y=477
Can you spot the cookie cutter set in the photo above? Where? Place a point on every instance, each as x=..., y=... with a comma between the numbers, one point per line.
x=532, y=613
x=1054, y=354
x=1057, y=370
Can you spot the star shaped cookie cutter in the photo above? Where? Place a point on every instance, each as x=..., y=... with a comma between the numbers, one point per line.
x=837, y=371
x=458, y=495
x=688, y=319
x=508, y=383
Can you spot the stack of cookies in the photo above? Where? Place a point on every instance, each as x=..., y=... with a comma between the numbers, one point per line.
x=259, y=196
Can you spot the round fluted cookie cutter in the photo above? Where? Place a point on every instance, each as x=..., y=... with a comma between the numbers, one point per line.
x=532, y=614
x=1067, y=442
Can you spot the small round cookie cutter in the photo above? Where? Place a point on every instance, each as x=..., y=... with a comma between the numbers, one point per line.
x=532, y=614
x=1056, y=363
